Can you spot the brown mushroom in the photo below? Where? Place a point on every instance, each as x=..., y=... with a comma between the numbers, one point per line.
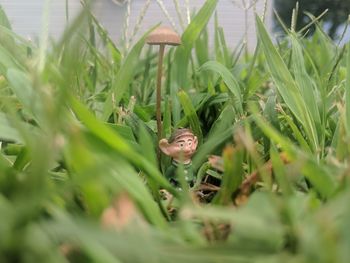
x=161, y=36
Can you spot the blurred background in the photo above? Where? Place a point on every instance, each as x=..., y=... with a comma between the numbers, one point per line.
x=120, y=17
x=334, y=21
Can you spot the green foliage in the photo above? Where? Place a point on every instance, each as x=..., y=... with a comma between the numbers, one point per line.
x=79, y=177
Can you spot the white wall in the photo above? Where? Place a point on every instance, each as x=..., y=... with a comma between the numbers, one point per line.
x=26, y=16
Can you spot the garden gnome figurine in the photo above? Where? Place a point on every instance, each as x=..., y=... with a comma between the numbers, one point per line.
x=180, y=147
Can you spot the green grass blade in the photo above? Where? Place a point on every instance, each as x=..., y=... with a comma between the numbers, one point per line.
x=7, y=132
x=224, y=121
x=7, y=60
x=147, y=145
x=44, y=36
x=183, y=52
x=286, y=85
x=347, y=92
x=210, y=145
x=228, y=78
x=4, y=21
x=21, y=85
x=280, y=171
x=296, y=132
x=218, y=52
x=202, y=48
x=191, y=115
x=124, y=76
x=167, y=118
x=304, y=81
x=233, y=174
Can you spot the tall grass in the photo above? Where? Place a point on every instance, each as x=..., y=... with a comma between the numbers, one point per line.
x=78, y=144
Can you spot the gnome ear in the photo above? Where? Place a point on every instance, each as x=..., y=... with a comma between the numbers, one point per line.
x=195, y=143
x=164, y=146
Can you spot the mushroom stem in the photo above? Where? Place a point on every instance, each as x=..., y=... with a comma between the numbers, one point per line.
x=159, y=97
x=161, y=36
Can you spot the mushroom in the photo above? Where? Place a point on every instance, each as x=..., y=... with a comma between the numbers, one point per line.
x=161, y=36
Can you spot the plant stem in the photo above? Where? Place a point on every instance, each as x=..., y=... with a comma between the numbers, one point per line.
x=159, y=97
x=246, y=51
x=67, y=11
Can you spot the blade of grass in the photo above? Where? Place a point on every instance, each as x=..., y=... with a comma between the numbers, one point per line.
x=296, y=132
x=287, y=86
x=233, y=174
x=229, y=80
x=191, y=115
x=224, y=121
x=44, y=36
x=304, y=82
x=124, y=76
x=347, y=92
x=183, y=53
x=7, y=132
x=21, y=85
x=279, y=171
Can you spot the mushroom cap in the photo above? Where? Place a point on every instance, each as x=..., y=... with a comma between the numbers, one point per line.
x=163, y=35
